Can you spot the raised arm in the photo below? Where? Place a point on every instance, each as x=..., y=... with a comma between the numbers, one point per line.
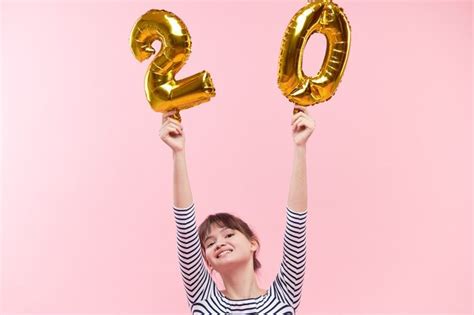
x=193, y=271
x=172, y=134
x=291, y=275
x=302, y=125
x=182, y=196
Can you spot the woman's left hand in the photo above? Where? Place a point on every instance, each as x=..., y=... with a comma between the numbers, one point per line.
x=302, y=125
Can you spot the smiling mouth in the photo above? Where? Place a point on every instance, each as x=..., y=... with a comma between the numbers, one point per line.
x=224, y=253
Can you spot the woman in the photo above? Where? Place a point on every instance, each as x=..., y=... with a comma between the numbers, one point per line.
x=227, y=245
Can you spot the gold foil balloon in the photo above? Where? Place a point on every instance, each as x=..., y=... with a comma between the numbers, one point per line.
x=323, y=17
x=163, y=91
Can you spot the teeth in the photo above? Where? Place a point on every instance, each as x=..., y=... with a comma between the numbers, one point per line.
x=224, y=252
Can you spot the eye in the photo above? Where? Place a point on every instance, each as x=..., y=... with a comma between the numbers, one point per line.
x=209, y=244
x=229, y=235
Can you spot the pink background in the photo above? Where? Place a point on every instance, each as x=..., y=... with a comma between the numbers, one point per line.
x=86, y=182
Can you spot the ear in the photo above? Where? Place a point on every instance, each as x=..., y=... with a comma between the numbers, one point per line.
x=253, y=245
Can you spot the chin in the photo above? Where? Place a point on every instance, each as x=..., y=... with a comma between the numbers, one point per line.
x=230, y=264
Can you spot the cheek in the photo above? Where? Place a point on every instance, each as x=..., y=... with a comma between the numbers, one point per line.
x=208, y=254
x=244, y=244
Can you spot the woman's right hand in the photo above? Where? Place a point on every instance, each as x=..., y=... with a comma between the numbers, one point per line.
x=171, y=132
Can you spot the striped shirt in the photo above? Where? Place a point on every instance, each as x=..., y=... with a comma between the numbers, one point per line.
x=283, y=296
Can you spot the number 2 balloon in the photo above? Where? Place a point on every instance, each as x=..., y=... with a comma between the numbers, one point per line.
x=163, y=91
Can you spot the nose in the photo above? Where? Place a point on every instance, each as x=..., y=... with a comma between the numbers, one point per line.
x=219, y=244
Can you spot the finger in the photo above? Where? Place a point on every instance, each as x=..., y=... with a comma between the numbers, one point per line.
x=307, y=124
x=169, y=131
x=293, y=127
x=296, y=126
x=165, y=129
x=309, y=121
x=298, y=121
x=296, y=116
x=174, y=131
x=166, y=124
x=175, y=123
x=301, y=126
x=172, y=122
x=168, y=114
x=304, y=124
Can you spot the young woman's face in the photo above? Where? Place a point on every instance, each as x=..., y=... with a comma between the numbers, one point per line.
x=225, y=247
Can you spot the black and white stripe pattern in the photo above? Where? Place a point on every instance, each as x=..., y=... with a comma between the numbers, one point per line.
x=283, y=296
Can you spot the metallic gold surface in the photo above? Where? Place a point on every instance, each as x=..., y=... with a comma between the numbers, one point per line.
x=323, y=17
x=163, y=91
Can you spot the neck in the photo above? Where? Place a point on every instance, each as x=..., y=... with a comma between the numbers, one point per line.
x=241, y=283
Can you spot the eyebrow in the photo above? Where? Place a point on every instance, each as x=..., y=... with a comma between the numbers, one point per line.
x=211, y=236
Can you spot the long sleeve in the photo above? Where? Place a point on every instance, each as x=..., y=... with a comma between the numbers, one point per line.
x=290, y=277
x=203, y=294
x=196, y=278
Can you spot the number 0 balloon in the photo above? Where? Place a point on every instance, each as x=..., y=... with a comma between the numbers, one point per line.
x=323, y=17
x=163, y=91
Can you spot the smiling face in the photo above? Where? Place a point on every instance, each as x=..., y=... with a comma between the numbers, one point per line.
x=227, y=240
x=225, y=248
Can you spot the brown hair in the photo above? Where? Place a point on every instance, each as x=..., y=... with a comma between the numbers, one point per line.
x=232, y=222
